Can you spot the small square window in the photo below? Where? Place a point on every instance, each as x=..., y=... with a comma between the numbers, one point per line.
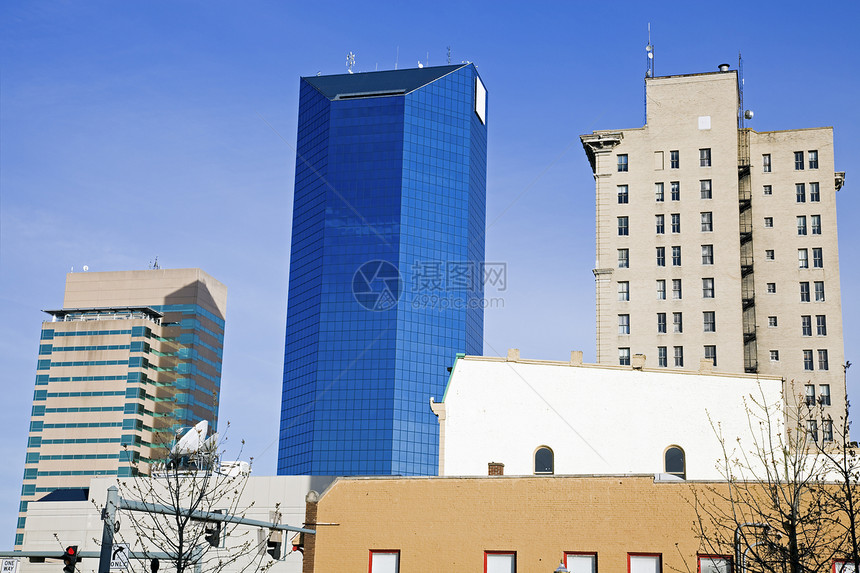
x=798, y=161
x=771, y=288
x=705, y=157
x=500, y=562
x=814, y=193
x=765, y=161
x=658, y=192
x=384, y=561
x=813, y=159
x=800, y=192
x=771, y=322
x=674, y=159
x=768, y=222
x=715, y=564
x=623, y=258
x=768, y=190
x=705, y=188
x=774, y=355
x=622, y=162
x=623, y=196
x=769, y=254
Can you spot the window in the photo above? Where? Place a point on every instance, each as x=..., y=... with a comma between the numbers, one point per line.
x=715, y=564
x=827, y=430
x=676, y=222
x=801, y=225
x=768, y=222
x=824, y=394
x=771, y=288
x=384, y=561
x=823, y=363
x=660, y=221
x=817, y=258
x=807, y=360
x=768, y=189
x=661, y=256
x=622, y=226
x=658, y=192
x=544, y=457
x=813, y=159
x=623, y=290
x=812, y=430
x=674, y=159
x=774, y=355
x=676, y=256
x=771, y=322
x=622, y=194
x=500, y=561
x=673, y=462
x=765, y=164
x=705, y=188
x=711, y=353
x=707, y=222
x=806, y=325
x=676, y=191
x=821, y=325
x=662, y=357
x=644, y=563
x=707, y=254
x=661, y=289
x=769, y=254
x=661, y=323
x=800, y=192
x=581, y=562
x=843, y=566
x=676, y=289
x=623, y=258
x=624, y=356
x=658, y=160
x=814, y=193
x=622, y=162
x=678, y=322
x=623, y=324
x=804, y=292
x=816, y=224
x=708, y=288
x=798, y=161
x=705, y=157
x=819, y=291
x=809, y=392
x=709, y=320
x=802, y=259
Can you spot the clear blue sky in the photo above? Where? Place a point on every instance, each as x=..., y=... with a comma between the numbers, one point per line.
x=135, y=129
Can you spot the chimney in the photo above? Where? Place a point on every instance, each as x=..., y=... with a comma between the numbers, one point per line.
x=706, y=365
x=513, y=354
x=495, y=469
x=638, y=362
x=723, y=67
x=576, y=357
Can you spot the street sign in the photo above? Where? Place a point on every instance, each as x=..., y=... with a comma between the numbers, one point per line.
x=119, y=556
x=9, y=566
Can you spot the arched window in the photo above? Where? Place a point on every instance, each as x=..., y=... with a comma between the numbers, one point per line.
x=675, y=462
x=544, y=462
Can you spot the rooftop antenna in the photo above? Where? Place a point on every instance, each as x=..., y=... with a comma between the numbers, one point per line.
x=153, y=265
x=397, y=57
x=649, y=69
x=741, y=112
x=350, y=62
x=428, y=58
x=449, y=55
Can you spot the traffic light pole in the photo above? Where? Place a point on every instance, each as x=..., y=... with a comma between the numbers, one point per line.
x=109, y=519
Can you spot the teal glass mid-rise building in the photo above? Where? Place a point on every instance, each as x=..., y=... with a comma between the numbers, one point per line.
x=386, y=269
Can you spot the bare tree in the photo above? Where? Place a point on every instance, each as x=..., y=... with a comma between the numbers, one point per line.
x=187, y=482
x=771, y=512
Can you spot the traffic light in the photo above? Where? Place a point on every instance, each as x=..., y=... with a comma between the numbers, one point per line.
x=274, y=549
x=154, y=565
x=213, y=534
x=70, y=558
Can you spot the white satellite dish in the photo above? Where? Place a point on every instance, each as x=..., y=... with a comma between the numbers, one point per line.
x=420, y=65
x=193, y=440
x=86, y=268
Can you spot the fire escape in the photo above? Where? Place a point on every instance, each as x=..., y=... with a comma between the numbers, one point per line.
x=747, y=263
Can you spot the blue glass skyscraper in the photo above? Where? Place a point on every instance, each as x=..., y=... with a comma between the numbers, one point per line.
x=386, y=269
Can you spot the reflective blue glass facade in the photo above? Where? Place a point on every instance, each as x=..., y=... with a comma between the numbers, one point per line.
x=386, y=267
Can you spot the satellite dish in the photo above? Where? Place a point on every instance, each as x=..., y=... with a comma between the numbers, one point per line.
x=420, y=65
x=86, y=268
x=193, y=439
x=748, y=114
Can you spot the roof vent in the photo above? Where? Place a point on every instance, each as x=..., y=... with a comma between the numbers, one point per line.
x=723, y=67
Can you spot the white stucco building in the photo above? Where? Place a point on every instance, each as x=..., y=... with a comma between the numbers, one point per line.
x=538, y=416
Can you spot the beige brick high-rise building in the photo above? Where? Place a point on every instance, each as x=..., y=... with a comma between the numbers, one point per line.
x=718, y=242
x=130, y=358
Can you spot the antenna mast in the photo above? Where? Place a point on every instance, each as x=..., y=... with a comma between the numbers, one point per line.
x=740, y=91
x=649, y=70
x=350, y=61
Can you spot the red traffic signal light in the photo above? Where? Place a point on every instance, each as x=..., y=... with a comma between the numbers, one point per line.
x=70, y=558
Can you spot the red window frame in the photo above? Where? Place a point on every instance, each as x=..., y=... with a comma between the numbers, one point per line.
x=839, y=561
x=701, y=556
x=659, y=557
x=372, y=551
x=514, y=553
x=591, y=553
